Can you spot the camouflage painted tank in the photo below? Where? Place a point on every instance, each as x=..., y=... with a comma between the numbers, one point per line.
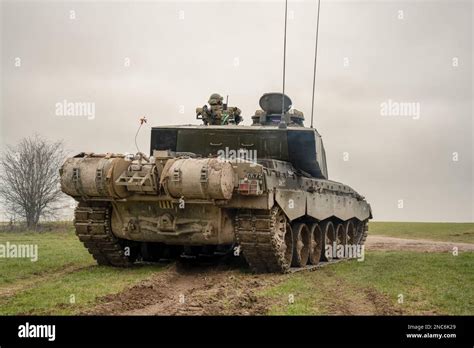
x=261, y=191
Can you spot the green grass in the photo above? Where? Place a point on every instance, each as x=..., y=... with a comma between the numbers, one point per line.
x=84, y=287
x=437, y=283
x=450, y=232
x=56, y=250
x=431, y=283
x=64, y=268
x=305, y=299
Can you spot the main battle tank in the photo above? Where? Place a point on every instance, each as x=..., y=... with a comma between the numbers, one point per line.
x=261, y=191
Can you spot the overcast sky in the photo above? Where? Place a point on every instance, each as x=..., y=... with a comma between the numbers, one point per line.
x=163, y=59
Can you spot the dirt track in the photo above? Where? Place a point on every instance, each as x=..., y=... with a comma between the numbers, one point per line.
x=421, y=245
x=191, y=290
x=227, y=290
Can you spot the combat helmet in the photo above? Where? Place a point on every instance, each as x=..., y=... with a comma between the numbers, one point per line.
x=215, y=99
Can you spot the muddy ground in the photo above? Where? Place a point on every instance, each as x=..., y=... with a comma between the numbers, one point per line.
x=186, y=289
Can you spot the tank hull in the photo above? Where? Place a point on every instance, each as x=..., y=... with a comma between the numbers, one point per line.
x=165, y=222
x=277, y=216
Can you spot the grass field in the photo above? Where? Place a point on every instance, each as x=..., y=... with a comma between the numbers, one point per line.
x=448, y=232
x=430, y=283
x=66, y=280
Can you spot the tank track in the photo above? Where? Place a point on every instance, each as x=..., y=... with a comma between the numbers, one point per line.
x=92, y=223
x=365, y=230
x=255, y=236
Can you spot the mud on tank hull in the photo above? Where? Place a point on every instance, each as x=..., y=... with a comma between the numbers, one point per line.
x=164, y=222
x=162, y=206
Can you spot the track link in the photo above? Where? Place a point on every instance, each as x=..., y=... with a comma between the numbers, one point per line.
x=92, y=223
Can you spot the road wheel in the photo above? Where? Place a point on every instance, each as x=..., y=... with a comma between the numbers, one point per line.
x=353, y=235
x=329, y=234
x=341, y=240
x=301, y=244
x=358, y=233
x=316, y=244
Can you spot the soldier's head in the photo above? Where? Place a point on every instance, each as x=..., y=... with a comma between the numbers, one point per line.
x=215, y=99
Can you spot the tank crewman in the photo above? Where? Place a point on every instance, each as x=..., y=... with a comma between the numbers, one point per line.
x=218, y=113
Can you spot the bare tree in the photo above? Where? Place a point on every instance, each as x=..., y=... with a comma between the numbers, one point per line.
x=29, y=178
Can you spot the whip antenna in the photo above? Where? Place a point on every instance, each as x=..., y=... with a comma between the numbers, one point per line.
x=142, y=121
x=284, y=62
x=315, y=58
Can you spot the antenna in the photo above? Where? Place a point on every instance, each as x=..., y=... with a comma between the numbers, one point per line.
x=226, y=102
x=284, y=62
x=315, y=58
x=142, y=121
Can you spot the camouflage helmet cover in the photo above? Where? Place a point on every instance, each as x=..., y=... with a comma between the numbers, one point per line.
x=215, y=98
